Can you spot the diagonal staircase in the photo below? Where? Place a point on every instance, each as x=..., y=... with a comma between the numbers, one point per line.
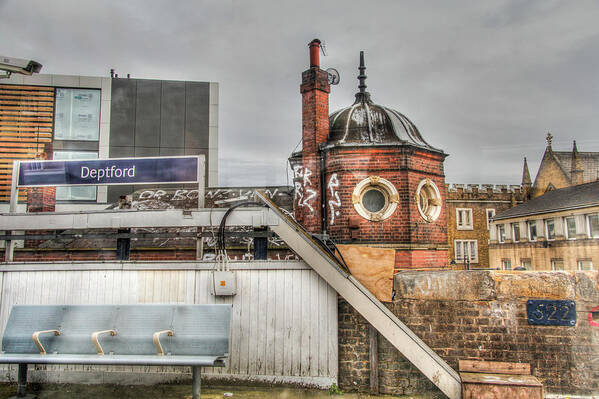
x=377, y=314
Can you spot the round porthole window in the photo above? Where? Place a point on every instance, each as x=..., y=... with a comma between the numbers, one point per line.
x=429, y=202
x=375, y=198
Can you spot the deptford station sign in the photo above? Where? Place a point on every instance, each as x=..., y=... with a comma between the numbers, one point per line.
x=109, y=171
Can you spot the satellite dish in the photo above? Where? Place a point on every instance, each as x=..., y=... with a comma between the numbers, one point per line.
x=333, y=76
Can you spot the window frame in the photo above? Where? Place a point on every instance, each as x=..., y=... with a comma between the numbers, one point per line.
x=547, y=235
x=504, y=261
x=526, y=260
x=589, y=229
x=579, y=264
x=469, y=226
x=553, y=263
x=62, y=189
x=56, y=130
x=501, y=233
x=530, y=224
x=566, y=230
x=514, y=227
x=492, y=216
x=460, y=243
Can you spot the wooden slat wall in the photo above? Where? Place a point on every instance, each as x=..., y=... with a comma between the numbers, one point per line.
x=283, y=326
x=26, y=125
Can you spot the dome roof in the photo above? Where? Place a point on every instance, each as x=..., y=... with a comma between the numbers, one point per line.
x=365, y=122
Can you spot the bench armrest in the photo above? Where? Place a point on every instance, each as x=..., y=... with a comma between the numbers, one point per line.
x=156, y=339
x=36, y=339
x=97, y=343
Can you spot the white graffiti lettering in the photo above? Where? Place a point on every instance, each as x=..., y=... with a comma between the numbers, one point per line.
x=335, y=201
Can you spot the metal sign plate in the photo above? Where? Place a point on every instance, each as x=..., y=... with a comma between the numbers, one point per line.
x=545, y=312
x=109, y=171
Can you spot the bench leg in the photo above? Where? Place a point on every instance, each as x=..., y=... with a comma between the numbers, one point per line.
x=22, y=381
x=196, y=375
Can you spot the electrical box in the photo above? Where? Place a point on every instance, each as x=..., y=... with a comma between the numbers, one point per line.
x=224, y=283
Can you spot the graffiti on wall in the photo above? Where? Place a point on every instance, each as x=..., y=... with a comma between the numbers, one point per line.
x=334, y=201
x=304, y=193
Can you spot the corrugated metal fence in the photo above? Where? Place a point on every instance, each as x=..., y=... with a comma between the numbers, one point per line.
x=283, y=329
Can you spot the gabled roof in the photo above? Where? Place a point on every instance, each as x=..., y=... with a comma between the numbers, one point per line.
x=574, y=197
x=589, y=162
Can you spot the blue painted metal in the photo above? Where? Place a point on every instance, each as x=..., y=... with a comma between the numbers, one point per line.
x=544, y=312
x=109, y=171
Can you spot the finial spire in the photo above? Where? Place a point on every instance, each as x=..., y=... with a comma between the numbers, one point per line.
x=549, y=139
x=362, y=75
x=526, y=175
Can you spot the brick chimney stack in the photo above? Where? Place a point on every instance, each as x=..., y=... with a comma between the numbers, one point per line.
x=315, y=91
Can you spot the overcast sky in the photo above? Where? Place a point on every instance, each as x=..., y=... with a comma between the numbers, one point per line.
x=482, y=80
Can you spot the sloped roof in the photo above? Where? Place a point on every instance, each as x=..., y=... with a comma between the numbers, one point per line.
x=574, y=197
x=588, y=160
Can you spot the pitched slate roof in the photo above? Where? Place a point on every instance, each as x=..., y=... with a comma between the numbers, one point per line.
x=588, y=160
x=574, y=197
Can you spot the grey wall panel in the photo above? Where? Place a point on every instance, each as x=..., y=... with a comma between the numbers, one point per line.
x=147, y=151
x=197, y=96
x=172, y=114
x=121, y=152
x=122, y=112
x=147, y=116
x=171, y=151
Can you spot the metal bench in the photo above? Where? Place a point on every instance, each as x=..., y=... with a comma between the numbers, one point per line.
x=143, y=335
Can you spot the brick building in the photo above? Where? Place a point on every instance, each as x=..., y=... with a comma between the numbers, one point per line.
x=470, y=209
x=561, y=169
x=556, y=231
x=366, y=175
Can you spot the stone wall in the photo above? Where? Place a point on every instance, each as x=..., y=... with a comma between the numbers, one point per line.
x=480, y=315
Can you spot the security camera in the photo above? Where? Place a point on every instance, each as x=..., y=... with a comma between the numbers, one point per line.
x=17, y=65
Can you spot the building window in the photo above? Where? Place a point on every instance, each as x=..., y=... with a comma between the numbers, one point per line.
x=464, y=218
x=501, y=233
x=570, y=224
x=77, y=114
x=550, y=229
x=490, y=215
x=516, y=231
x=466, y=251
x=429, y=200
x=506, y=264
x=557, y=264
x=585, y=264
x=532, y=230
x=375, y=198
x=75, y=193
x=526, y=264
x=593, y=226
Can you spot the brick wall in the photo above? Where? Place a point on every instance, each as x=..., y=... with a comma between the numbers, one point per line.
x=479, y=315
x=478, y=199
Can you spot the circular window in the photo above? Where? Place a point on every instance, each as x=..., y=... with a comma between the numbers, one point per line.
x=429, y=202
x=375, y=198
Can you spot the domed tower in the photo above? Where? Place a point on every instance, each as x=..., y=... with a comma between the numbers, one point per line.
x=382, y=184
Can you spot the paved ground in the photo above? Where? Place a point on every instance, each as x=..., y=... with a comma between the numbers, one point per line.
x=183, y=391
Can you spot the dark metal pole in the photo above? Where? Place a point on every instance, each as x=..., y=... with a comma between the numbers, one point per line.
x=22, y=380
x=196, y=375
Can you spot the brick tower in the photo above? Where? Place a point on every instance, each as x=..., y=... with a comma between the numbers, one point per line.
x=315, y=128
x=378, y=181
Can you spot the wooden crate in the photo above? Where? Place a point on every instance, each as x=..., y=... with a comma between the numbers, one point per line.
x=498, y=380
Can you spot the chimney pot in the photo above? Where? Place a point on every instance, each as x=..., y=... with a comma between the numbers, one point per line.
x=314, y=53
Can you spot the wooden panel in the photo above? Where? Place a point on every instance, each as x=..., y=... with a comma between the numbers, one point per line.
x=26, y=126
x=283, y=325
x=373, y=267
x=478, y=366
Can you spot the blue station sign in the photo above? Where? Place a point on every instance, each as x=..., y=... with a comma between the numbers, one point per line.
x=109, y=171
